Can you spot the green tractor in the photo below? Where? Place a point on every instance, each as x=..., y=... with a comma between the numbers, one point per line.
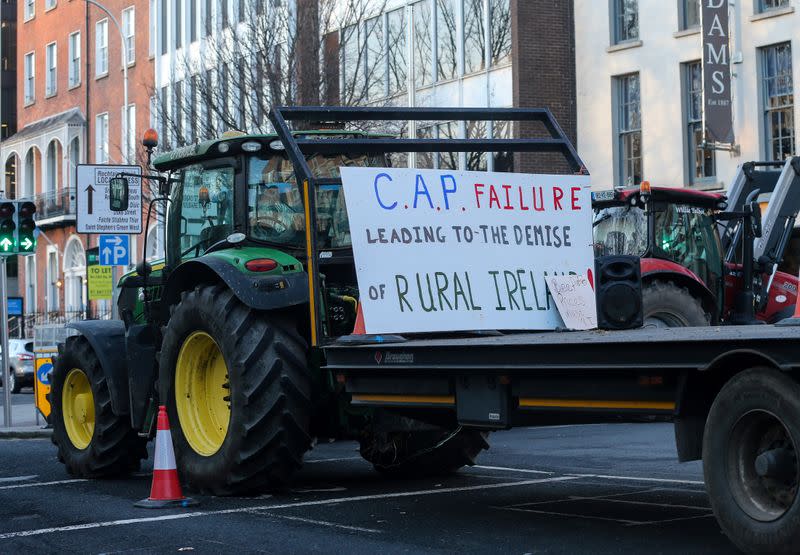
x=227, y=330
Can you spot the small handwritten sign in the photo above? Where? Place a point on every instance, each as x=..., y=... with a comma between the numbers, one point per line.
x=574, y=298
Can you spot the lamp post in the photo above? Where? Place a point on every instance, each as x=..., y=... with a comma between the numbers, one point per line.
x=124, y=75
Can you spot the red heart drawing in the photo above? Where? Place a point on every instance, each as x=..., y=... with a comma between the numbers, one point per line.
x=378, y=357
x=590, y=276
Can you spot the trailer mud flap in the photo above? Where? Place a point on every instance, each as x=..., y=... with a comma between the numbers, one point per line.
x=482, y=401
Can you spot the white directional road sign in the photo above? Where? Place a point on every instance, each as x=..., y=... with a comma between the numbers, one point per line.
x=94, y=212
x=114, y=250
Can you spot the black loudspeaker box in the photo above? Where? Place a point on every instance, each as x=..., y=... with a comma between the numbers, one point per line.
x=618, y=287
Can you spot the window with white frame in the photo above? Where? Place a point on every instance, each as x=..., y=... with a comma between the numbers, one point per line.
x=396, y=59
x=30, y=77
x=700, y=160
x=423, y=43
x=52, y=279
x=30, y=9
x=446, y=42
x=766, y=5
x=177, y=18
x=75, y=59
x=129, y=133
x=49, y=4
x=778, y=100
x=474, y=37
x=50, y=77
x=625, y=20
x=376, y=58
x=101, y=139
x=101, y=48
x=128, y=33
x=629, y=129
x=500, y=31
x=30, y=282
x=153, y=28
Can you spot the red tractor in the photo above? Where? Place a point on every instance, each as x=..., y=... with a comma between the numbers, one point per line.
x=695, y=255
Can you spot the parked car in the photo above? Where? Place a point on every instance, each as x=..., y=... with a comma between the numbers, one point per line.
x=20, y=372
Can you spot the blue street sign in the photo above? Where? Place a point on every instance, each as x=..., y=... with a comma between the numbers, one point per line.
x=114, y=250
x=15, y=306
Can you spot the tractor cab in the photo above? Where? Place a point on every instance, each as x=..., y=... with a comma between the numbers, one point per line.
x=673, y=231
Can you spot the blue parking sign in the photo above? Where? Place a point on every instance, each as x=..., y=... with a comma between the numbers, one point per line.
x=114, y=250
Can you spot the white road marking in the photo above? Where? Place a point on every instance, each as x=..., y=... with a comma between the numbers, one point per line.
x=179, y=516
x=37, y=484
x=648, y=503
x=18, y=478
x=323, y=523
x=670, y=520
x=557, y=513
x=586, y=498
x=334, y=460
x=525, y=470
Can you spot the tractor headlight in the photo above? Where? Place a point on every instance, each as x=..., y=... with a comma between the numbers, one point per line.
x=224, y=147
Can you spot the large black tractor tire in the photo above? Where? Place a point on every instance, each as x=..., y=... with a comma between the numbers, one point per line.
x=423, y=453
x=668, y=306
x=750, y=461
x=265, y=389
x=80, y=396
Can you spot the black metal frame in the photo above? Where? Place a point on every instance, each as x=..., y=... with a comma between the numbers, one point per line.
x=298, y=148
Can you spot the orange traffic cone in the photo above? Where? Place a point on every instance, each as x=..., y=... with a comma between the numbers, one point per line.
x=359, y=329
x=166, y=489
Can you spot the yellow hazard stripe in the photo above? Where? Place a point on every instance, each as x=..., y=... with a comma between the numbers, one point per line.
x=311, y=267
x=596, y=404
x=415, y=399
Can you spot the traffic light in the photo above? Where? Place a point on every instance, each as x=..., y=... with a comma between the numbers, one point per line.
x=17, y=227
x=26, y=241
x=8, y=227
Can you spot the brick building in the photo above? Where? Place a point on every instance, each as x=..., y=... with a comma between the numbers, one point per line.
x=70, y=111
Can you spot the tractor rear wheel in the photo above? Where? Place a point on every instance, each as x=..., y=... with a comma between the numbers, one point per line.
x=668, y=306
x=92, y=441
x=423, y=453
x=238, y=393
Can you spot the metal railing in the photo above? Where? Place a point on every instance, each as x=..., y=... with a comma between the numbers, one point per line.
x=55, y=203
x=35, y=319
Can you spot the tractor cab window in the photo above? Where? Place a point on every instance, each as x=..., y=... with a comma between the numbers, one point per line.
x=275, y=202
x=201, y=211
x=620, y=230
x=688, y=236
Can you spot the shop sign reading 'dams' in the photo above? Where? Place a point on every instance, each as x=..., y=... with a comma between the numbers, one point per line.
x=440, y=250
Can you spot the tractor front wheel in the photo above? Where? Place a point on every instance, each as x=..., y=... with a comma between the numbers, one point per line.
x=92, y=441
x=668, y=306
x=239, y=393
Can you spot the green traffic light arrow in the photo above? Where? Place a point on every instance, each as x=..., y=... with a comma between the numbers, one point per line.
x=27, y=243
x=6, y=244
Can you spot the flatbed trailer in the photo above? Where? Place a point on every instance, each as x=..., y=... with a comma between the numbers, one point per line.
x=732, y=392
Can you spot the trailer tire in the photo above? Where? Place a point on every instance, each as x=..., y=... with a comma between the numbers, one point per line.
x=750, y=461
x=421, y=454
x=666, y=305
x=92, y=441
x=249, y=431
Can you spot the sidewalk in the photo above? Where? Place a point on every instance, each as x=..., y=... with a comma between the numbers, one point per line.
x=23, y=421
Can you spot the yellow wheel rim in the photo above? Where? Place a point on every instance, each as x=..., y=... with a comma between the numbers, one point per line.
x=201, y=390
x=77, y=404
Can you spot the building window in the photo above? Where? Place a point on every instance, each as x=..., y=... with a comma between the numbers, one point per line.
x=177, y=91
x=689, y=14
x=52, y=279
x=224, y=14
x=30, y=9
x=178, y=19
x=128, y=33
x=30, y=282
x=164, y=28
x=778, y=94
x=446, y=67
x=191, y=20
x=500, y=29
x=101, y=139
x=376, y=59
x=625, y=20
x=629, y=129
x=129, y=137
x=474, y=37
x=101, y=48
x=209, y=18
x=30, y=77
x=423, y=41
x=766, y=5
x=49, y=4
x=396, y=59
x=477, y=161
x=503, y=161
x=153, y=28
x=75, y=59
x=50, y=78
x=701, y=160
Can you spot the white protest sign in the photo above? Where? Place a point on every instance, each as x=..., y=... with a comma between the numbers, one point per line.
x=447, y=250
x=94, y=213
x=575, y=300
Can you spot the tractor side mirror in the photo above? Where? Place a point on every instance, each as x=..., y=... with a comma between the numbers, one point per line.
x=118, y=194
x=755, y=218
